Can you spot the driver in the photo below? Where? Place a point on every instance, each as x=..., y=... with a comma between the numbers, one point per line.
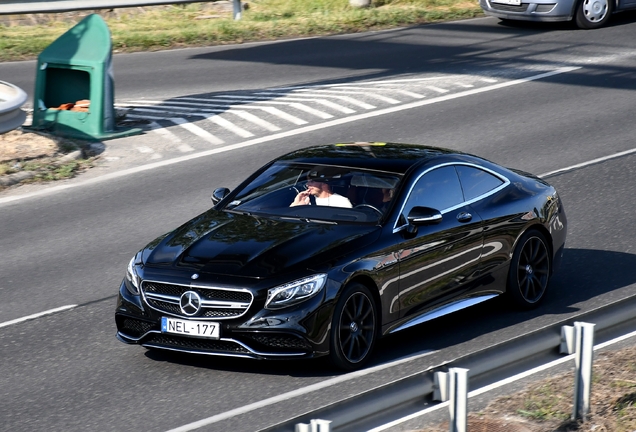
x=318, y=190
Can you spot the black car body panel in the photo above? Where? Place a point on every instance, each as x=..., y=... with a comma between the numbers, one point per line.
x=271, y=276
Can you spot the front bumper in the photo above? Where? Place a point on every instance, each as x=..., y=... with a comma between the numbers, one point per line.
x=294, y=332
x=533, y=10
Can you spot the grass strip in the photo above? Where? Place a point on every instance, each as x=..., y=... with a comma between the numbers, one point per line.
x=204, y=24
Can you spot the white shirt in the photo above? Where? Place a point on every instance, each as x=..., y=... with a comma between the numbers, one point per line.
x=334, y=200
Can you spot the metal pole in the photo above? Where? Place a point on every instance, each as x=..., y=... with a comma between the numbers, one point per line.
x=584, y=356
x=237, y=9
x=458, y=386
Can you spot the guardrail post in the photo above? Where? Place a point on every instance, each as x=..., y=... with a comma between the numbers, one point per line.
x=458, y=393
x=238, y=8
x=313, y=426
x=440, y=386
x=584, y=357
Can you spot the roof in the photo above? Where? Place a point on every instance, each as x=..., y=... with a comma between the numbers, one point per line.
x=392, y=157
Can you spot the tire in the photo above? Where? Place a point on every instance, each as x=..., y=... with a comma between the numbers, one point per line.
x=592, y=14
x=354, y=328
x=530, y=269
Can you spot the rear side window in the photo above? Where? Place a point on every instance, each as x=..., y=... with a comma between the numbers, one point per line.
x=476, y=182
x=438, y=189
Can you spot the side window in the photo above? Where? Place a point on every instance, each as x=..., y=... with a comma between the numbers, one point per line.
x=476, y=182
x=438, y=189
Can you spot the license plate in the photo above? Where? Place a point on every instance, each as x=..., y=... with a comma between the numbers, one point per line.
x=508, y=2
x=205, y=329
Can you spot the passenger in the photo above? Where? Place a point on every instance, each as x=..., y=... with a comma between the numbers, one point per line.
x=318, y=190
x=387, y=196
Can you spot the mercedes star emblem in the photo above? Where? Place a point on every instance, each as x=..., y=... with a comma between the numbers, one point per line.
x=190, y=303
x=195, y=276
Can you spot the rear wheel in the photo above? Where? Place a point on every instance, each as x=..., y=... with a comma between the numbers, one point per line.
x=354, y=328
x=591, y=14
x=530, y=270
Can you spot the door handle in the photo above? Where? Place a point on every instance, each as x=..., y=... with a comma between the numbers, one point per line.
x=464, y=217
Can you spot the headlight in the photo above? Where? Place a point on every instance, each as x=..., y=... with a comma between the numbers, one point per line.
x=132, y=276
x=294, y=292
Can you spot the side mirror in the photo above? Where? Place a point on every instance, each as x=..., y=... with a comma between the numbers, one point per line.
x=424, y=216
x=219, y=194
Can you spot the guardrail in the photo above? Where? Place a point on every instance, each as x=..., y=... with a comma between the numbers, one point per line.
x=347, y=415
x=11, y=99
x=10, y=7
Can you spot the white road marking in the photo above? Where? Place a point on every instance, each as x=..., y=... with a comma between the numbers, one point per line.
x=310, y=110
x=384, y=82
x=501, y=383
x=201, y=112
x=437, y=89
x=295, y=393
x=256, y=120
x=263, y=99
x=590, y=162
x=410, y=93
x=365, y=93
x=348, y=99
x=196, y=130
x=158, y=129
x=285, y=134
x=226, y=124
x=37, y=315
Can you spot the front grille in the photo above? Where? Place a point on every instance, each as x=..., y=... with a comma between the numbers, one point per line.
x=216, y=303
x=510, y=8
x=135, y=328
x=192, y=344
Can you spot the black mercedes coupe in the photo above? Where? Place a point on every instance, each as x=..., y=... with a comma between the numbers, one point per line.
x=326, y=249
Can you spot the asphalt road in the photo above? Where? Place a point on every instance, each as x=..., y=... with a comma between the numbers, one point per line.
x=67, y=371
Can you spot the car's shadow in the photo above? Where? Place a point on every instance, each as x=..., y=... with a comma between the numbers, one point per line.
x=585, y=274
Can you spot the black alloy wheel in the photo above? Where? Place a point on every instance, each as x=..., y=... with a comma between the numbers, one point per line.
x=354, y=328
x=592, y=14
x=530, y=270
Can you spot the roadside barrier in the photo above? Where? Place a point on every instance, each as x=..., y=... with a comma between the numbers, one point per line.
x=486, y=366
x=452, y=386
x=11, y=100
x=58, y=6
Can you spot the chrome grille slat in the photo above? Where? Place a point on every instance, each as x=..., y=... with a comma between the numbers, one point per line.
x=216, y=303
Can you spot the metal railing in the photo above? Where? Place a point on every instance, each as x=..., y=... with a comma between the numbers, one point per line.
x=415, y=389
x=18, y=7
x=11, y=99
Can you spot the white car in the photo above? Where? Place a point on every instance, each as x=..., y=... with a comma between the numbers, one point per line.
x=588, y=14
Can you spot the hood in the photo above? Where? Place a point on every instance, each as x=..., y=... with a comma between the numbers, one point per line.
x=224, y=243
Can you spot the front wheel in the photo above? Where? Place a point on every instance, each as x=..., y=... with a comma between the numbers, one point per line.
x=592, y=14
x=354, y=328
x=530, y=270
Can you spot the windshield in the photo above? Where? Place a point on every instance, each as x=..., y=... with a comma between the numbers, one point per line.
x=317, y=192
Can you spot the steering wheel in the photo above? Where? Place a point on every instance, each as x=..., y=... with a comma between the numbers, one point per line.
x=369, y=206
